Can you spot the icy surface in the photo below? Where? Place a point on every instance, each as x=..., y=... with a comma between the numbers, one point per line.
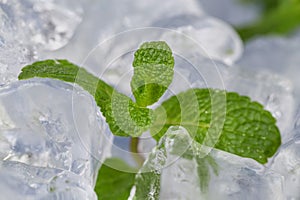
x=107, y=18
x=20, y=181
x=51, y=147
x=40, y=22
x=287, y=163
x=275, y=55
x=14, y=53
x=28, y=27
x=187, y=173
x=48, y=123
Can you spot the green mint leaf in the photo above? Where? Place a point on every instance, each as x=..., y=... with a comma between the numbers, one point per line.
x=65, y=71
x=111, y=180
x=153, y=72
x=125, y=118
x=237, y=125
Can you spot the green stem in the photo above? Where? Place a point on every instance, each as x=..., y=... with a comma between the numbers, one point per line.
x=139, y=159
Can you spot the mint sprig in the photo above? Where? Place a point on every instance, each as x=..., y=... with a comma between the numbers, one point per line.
x=213, y=118
x=220, y=119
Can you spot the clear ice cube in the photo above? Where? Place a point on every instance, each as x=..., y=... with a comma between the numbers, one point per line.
x=48, y=123
x=20, y=181
x=107, y=18
x=40, y=22
x=217, y=38
x=287, y=163
x=29, y=27
x=275, y=55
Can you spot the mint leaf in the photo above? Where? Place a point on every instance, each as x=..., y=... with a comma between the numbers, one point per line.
x=65, y=71
x=113, y=184
x=244, y=128
x=153, y=72
x=125, y=118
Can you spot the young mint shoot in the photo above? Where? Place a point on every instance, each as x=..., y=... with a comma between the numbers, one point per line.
x=215, y=118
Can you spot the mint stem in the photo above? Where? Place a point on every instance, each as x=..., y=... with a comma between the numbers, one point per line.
x=139, y=159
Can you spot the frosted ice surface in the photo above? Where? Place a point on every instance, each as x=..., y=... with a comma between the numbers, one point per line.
x=234, y=12
x=13, y=57
x=40, y=22
x=13, y=52
x=222, y=175
x=28, y=27
x=109, y=17
x=23, y=182
x=48, y=123
x=275, y=55
x=217, y=38
x=287, y=163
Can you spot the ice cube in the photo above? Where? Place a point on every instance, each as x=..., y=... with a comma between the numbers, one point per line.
x=185, y=173
x=48, y=123
x=275, y=55
x=40, y=22
x=107, y=18
x=29, y=27
x=287, y=163
x=20, y=181
x=14, y=53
